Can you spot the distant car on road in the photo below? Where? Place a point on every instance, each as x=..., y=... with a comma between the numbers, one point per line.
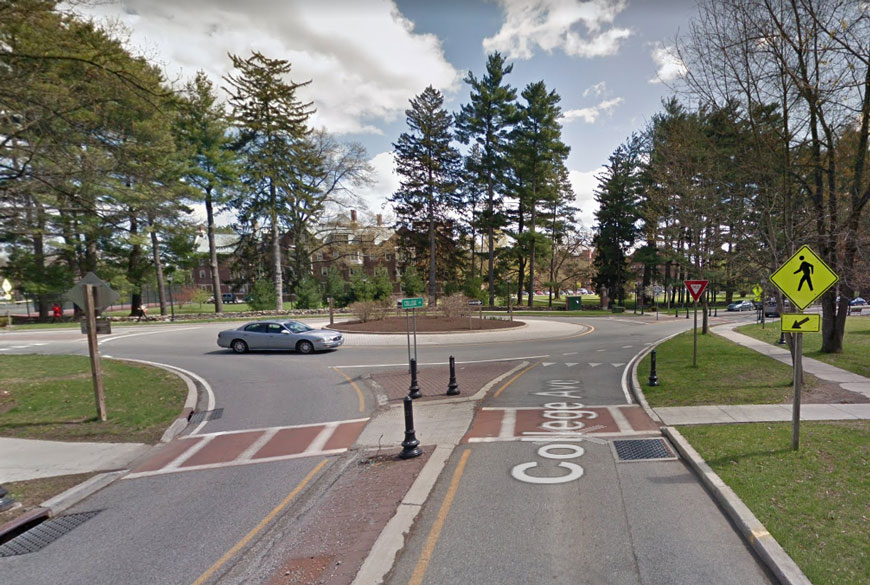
x=741, y=306
x=771, y=310
x=229, y=298
x=279, y=335
x=857, y=302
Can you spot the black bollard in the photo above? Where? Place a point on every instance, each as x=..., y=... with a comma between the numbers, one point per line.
x=452, y=387
x=781, y=338
x=410, y=446
x=414, y=390
x=653, y=379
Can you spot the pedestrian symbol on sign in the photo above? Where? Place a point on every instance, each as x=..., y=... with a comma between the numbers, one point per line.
x=807, y=270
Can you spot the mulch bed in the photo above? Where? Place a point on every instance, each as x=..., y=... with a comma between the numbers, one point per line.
x=428, y=324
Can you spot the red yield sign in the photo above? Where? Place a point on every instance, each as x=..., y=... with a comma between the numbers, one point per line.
x=696, y=287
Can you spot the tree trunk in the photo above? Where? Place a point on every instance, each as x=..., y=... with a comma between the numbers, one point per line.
x=432, y=298
x=276, y=250
x=212, y=254
x=158, y=266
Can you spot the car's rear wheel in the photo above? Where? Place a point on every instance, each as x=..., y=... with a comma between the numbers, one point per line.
x=239, y=346
x=304, y=347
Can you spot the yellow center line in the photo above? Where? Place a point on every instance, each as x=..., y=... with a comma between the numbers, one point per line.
x=359, y=394
x=435, y=533
x=259, y=527
x=512, y=380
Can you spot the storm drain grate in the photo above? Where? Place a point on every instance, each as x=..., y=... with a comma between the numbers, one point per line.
x=44, y=534
x=206, y=415
x=642, y=450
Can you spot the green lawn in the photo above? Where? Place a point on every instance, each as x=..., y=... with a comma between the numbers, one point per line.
x=52, y=397
x=815, y=502
x=727, y=373
x=856, y=344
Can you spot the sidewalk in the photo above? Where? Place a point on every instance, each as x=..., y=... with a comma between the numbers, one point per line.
x=698, y=415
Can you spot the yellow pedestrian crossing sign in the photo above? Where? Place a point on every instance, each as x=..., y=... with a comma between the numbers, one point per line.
x=804, y=277
x=800, y=323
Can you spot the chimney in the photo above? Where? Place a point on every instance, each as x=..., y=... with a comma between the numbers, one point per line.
x=380, y=220
x=353, y=216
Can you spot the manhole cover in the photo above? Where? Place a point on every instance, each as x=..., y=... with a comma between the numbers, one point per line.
x=44, y=534
x=206, y=415
x=643, y=450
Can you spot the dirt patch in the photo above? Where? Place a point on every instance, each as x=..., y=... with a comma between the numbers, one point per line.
x=428, y=324
x=830, y=393
x=32, y=492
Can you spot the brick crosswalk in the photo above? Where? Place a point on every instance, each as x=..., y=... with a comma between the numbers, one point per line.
x=513, y=424
x=216, y=450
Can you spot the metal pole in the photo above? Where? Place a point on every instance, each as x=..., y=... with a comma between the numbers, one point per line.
x=695, y=336
x=331, y=310
x=796, y=406
x=452, y=386
x=408, y=332
x=414, y=388
x=415, y=334
x=653, y=378
x=410, y=446
x=171, y=303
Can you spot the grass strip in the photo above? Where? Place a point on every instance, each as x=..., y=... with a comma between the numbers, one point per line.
x=815, y=502
x=52, y=398
x=727, y=373
x=856, y=344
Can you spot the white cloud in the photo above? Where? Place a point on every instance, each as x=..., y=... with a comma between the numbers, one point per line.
x=553, y=24
x=669, y=65
x=584, y=184
x=598, y=89
x=363, y=57
x=385, y=182
x=590, y=115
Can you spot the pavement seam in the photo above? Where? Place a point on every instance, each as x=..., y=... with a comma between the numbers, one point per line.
x=746, y=523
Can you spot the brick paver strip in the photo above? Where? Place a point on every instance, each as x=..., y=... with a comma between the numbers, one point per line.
x=433, y=380
x=332, y=541
x=167, y=454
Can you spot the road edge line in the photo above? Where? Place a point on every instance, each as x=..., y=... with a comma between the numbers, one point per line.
x=747, y=524
x=391, y=540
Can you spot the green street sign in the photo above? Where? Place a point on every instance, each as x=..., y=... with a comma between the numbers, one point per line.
x=414, y=303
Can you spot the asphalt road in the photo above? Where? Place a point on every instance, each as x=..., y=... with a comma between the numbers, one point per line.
x=176, y=528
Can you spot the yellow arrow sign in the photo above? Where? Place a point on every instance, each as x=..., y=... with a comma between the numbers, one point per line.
x=798, y=323
x=804, y=277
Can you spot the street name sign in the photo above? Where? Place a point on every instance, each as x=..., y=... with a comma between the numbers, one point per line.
x=475, y=303
x=412, y=303
x=804, y=277
x=800, y=323
x=696, y=287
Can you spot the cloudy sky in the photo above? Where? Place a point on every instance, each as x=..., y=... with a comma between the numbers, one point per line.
x=607, y=59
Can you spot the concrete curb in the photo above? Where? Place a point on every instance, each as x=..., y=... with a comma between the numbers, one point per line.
x=636, y=388
x=77, y=493
x=392, y=538
x=181, y=422
x=749, y=527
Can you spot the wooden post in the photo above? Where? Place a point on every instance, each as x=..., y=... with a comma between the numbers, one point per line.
x=94, y=350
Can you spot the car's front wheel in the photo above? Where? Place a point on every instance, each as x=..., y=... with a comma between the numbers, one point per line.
x=304, y=347
x=239, y=346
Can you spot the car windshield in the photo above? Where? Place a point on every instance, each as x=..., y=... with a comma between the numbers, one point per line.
x=297, y=327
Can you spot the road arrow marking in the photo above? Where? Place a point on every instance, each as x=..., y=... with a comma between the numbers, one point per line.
x=593, y=365
x=617, y=365
x=545, y=364
x=569, y=364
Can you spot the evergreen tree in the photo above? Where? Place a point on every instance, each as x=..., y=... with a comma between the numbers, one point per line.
x=616, y=230
x=429, y=168
x=274, y=134
x=486, y=121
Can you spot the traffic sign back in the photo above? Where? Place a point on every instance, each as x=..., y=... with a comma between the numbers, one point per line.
x=696, y=287
x=804, y=277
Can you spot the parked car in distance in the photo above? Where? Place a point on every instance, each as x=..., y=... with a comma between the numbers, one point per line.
x=279, y=335
x=857, y=302
x=771, y=310
x=583, y=291
x=229, y=298
x=741, y=306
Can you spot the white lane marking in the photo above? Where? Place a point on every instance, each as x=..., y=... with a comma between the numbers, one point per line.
x=620, y=420
x=545, y=364
x=264, y=429
x=110, y=339
x=588, y=438
x=592, y=364
x=176, y=463
x=165, y=471
x=38, y=344
x=5, y=348
x=405, y=364
x=571, y=353
x=256, y=445
x=508, y=423
x=210, y=399
x=617, y=364
x=321, y=439
x=569, y=364
x=627, y=346
x=600, y=350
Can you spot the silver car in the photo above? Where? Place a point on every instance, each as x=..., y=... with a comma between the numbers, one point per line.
x=279, y=335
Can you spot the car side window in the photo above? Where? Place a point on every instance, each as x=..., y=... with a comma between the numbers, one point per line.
x=256, y=328
x=274, y=328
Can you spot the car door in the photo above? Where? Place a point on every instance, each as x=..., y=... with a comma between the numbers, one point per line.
x=255, y=335
x=279, y=337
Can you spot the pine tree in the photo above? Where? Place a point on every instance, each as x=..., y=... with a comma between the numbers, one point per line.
x=486, y=121
x=429, y=169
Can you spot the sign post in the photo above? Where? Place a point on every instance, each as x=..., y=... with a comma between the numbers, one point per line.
x=94, y=295
x=410, y=305
x=802, y=278
x=696, y=288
